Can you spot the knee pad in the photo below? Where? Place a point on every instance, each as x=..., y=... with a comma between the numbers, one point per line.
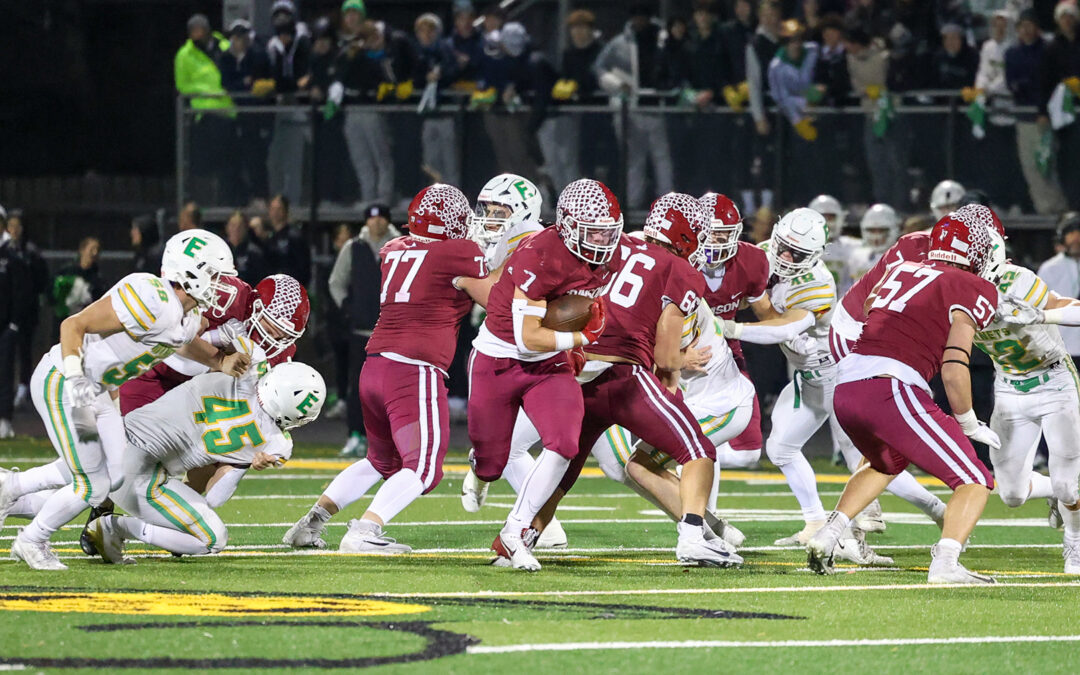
x=220, y=532
x=741, y=459
x=1065, y=491
x=1014, y=496
x=97, y=487
x=781, y=454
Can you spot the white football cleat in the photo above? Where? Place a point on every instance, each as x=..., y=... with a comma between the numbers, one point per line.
x=947, y=571
x=724, y=529
x=1053, y=519
x=336, y=411
x=7, y=499
x=871, y=518
x=108, y=542
x=1072, y=559
x=517, y=548
x=6, y=430
x=38, y=555
x=473, y=490
x=854, y=549
x=553, y=536
x=801, y=537
x=364, y=536
x=819, y=555
x=356, y=446
x=305, y=533
x=694, y=549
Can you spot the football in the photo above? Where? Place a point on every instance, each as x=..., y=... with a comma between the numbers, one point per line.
x=568, y=313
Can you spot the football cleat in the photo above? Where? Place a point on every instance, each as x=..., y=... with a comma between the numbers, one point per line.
x=694, y=549
x=305, y=533
x=356, y=446
x=38, y=555
x=802, y=536
x=107, y=541
x=852, y=547
x=86, y=540
x=517, y=548
x=1072, y=558
x=724, y=529
x=1054, y=518
x=870, y=519
x=6, y=430
x=473, y=490
x=948, y=571
x=553, y=536
x=364, y=536
x=819, y=555
x=7, y=498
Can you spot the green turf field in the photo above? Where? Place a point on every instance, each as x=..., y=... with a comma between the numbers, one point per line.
x=614, y=601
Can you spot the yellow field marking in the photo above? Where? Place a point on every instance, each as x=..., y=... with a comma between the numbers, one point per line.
x=208, y=604
x=595, y=472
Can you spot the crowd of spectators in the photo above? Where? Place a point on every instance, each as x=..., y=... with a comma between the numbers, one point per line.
x=1011, y=68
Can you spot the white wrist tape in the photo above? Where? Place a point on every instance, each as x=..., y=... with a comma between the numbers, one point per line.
x=1068, y=315
x=563, y=340
x=73, y=366
x=969, y=423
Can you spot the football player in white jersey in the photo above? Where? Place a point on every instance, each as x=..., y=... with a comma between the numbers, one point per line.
x=139, y=322
x=213, y=418
x=880, y=227
x=1036, y=391
x=945, y=198
x=794, y=252
x=839, y=250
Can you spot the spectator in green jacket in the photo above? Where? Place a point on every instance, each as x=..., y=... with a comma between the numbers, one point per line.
x=212, y=128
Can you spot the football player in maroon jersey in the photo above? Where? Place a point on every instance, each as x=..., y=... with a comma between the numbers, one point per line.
x=517, y=363
x=430, y=279
x=921, y=320
x=631, y=380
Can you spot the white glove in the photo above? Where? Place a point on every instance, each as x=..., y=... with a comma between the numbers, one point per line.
x=1016, y=313
x=336, y=93
x=732, y=329
x=802, y=344
x=232, y=329
x=978, y=431
x=80, y=390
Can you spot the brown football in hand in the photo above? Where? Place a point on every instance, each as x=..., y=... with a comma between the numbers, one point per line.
x=568, y=313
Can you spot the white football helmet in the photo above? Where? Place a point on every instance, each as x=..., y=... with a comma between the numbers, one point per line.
x=880, y=227
x=994, y=267
x=834, y=213
x=508, y=190
x=196, y=260
x=292, y=393
x=945, y=197
x=797, y=243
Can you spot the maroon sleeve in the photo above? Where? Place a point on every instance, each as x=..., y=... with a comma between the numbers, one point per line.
x=526, y=269
x=976, y=297
x=757, y=270
x=684, y=288
x=465, y=259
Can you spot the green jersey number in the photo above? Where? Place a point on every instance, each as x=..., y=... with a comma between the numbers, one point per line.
x=1010, y=354
x=226, y=441
x=133, y=368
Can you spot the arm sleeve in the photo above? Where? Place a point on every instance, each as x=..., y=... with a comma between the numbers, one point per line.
x=817, y=298
x=339, y=274
x=771, y=335
x=224, y=488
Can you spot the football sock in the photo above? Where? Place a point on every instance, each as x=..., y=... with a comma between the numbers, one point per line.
x=693, y=519
x=162, y=537
x=396, y=493
x=1071, y=520
x=352, y=483
x=517, y=469
x=62, y=507
x=800, y=477
x=834, y=527
x=539, y=485
x=30, y=505
x=45, y=477
x=1041, y=487
x=906, y=487
x=949, y=549
x=714, y=493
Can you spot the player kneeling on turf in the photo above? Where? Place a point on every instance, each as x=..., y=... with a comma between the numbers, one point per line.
x=212, y=418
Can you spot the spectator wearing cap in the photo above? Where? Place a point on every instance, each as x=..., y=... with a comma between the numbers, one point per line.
x=1022, y=76
x=146, y=244
x=467, y=45
x=354, y=288
x=35, y=275
x=245, y=70
x=791, y=76
x=1061, y=72
x=1062, y=273
x=353, y=14
x=560, y=135
x=190, y=217
x=289, y=53
x=759, y=53
x=868, y=64
x=249, y=257
x=197, y=75
x=630, y=62
x=506, y=75
x=287, y=249
x=955, y=62
x=435, y=69
x=494, y=18
x=335, y=176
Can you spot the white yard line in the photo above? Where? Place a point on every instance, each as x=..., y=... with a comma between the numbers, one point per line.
x=698, y=644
